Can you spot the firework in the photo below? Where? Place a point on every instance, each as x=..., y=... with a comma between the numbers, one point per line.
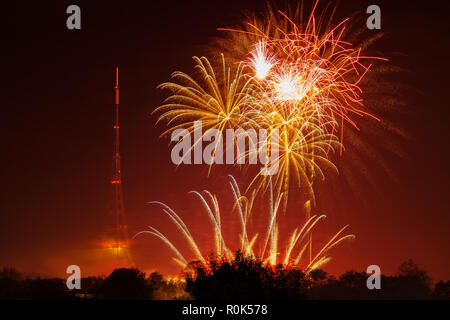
x=219, y=100
x=269, y=245
x=298, y=76
x=261, y=61
x=304, y=61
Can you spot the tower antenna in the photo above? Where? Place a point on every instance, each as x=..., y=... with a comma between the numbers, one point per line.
x=117, y=232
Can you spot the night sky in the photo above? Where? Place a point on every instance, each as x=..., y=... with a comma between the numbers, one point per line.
x=57, y=105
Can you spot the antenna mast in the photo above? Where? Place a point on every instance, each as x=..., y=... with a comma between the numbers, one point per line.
x=117, y=233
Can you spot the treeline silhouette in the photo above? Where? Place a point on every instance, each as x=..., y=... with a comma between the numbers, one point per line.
x=123, y=284
x=244, y=279
x=240, y=279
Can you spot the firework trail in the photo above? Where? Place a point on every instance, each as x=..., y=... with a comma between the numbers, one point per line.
x=269, y=251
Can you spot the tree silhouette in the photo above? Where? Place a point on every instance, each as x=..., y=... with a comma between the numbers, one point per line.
x=442, y=290
x=90, y=285
x=241, y=279
x=350, y=285
x=10, y=285
x=45, y=289
x=124, y=284
x=244, y=279
x=412, y=282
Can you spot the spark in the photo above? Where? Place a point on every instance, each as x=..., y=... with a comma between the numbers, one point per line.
x=261, y=61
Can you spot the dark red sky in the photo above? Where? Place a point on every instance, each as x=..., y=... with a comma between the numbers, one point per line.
x=57, y=136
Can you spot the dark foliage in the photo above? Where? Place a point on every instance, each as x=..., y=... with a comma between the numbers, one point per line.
x=410, y=283
x=45, y=289
x=12, y=286
x=442, y=290
x=124, y=284
x=244, y=279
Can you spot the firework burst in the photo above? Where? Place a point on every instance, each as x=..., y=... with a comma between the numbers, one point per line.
x=281, y=73
x=267, y=241
x=218, y=99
